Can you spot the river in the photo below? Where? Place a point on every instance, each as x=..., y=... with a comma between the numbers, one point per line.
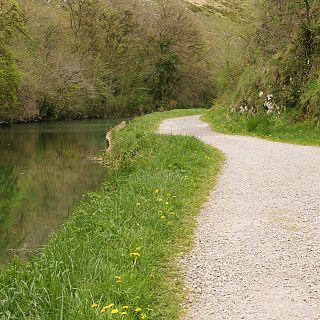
x=45, y=169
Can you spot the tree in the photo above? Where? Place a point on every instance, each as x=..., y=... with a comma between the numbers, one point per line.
x=176, y=48
x=11, y=24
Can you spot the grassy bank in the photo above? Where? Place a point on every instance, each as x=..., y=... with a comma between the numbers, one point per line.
x=274, y=127
x=115, y=256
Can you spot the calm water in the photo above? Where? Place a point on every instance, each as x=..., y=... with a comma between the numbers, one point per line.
x=45, y=169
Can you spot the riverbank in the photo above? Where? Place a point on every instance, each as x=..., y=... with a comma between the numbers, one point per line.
x=282, y=128
x=118, y=249
x=33, y=204
x=45, y=120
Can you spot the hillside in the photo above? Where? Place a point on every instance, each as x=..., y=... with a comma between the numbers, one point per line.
x=281, y=74
x=266, y=55
x=229, y=26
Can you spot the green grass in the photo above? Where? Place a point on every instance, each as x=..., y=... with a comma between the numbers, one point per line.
x=274, y=127
x=154, y=189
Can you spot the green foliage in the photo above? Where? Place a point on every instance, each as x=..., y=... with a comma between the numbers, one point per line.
x=11, y=20
x=271, y=126
x=283, y=73
x=146, y=207
x=94, y=58
x=310, y=99
x=11, y=24
x=10, y=79
x=166, y=70
x=229, y=28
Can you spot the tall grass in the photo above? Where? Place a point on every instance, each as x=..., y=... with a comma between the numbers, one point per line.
x=283, y=127
x=115, y=257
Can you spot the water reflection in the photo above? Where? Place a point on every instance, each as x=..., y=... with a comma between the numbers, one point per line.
x=44, y=171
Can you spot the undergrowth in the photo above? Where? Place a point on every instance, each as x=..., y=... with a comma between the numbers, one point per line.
x=115, y=257
x=276, y=127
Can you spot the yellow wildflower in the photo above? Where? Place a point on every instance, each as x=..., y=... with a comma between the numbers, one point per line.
x=118, y=279
x=125, y=307
x=135, y=254
x=114, y=311
x=160, y=199
x=124, y=313
x=138, y=309
x=103, y=310
x=163, y=218
x=94, y=305
x=108, y=306
x=143, y=316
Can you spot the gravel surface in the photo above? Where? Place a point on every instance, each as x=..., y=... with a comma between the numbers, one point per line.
x=257, y=245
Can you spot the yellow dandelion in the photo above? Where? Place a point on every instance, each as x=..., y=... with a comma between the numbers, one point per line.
x=124, y=313
x=108, y=306
x=143, y=316
x=117, y=279
x=135, y=254
x=125, y=307
x=114, y=311
x=138, y=309
x=94, y=305
x=163, y=218
x=103, y=310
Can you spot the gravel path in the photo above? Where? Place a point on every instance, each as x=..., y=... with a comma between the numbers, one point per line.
x=257, y=247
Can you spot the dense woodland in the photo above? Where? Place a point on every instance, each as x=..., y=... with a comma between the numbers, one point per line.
x=101, y=58
x=94, y=58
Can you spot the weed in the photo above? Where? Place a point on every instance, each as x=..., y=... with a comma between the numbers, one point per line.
x=272, y=126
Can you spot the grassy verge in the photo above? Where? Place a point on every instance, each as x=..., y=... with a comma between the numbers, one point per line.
x=278, y=128
x=118, y=248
